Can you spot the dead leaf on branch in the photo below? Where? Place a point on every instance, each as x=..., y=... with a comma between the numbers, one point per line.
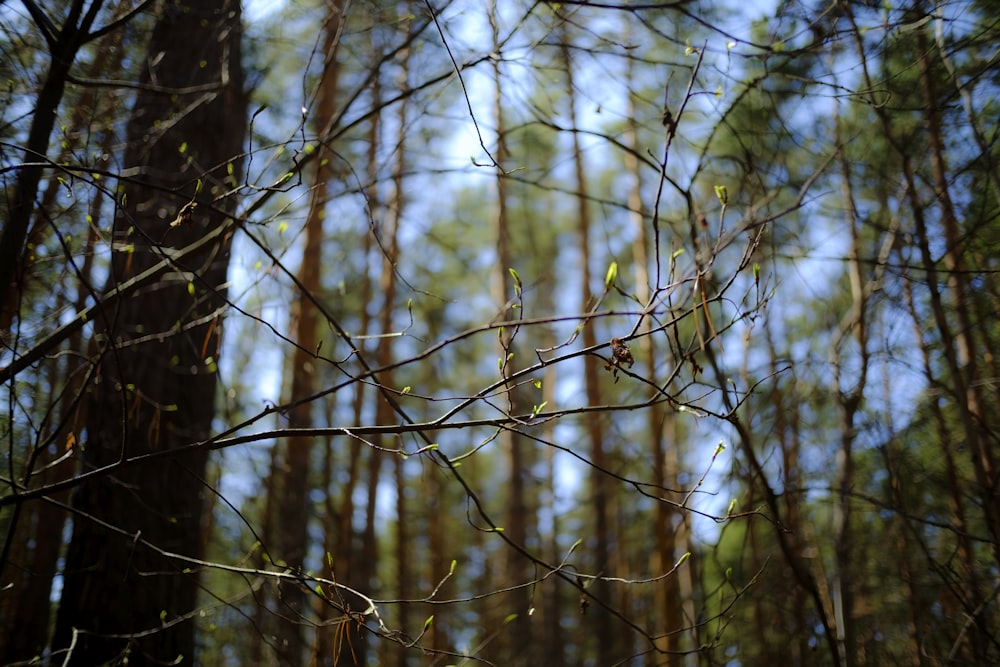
x=184, y=215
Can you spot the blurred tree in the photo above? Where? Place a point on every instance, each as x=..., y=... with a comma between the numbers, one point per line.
x=292, y=472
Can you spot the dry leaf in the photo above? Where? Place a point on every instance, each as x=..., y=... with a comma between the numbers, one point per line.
x=184, y=215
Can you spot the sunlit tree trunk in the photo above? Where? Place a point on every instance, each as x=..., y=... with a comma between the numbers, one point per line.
x=157, y=380
x=600, y=622
x=384, y=412
x=294, y=507
x=341, y=541
x=259, y=650
x=671, y=605
x=326, y=613
x=511, y=645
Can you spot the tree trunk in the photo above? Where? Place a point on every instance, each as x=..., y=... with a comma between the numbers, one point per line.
x=25, y=608
x=663, y=437
x=291, y=543
x=600, y=621
x=850, y=390
x=122, y=595
x=967, y=378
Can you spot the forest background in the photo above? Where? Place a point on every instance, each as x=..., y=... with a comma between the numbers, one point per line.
x=455, y=332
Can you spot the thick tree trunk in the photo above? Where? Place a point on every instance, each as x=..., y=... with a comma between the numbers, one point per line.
x=122, y=594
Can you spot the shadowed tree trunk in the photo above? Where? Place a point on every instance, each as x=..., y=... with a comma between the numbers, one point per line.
x=25, y=606
x=63, y=44
x=159, y=351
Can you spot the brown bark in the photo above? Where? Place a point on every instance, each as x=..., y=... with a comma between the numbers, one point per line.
x=270, y=491
x=964, y=592
x=157, y=382
x=403, y=555
x=670, y=543
x=35, y=530
x=557, y=597
x=384, y=412
x=967, y=375
x=958, y=342
x=788, y=431
x=290, y=547
x=25, y=608
x=512, y=646
x=600, y=621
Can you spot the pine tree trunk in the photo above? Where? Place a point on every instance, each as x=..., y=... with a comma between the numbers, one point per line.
x=292, y=615
x=156, y=389
x=599, y=620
